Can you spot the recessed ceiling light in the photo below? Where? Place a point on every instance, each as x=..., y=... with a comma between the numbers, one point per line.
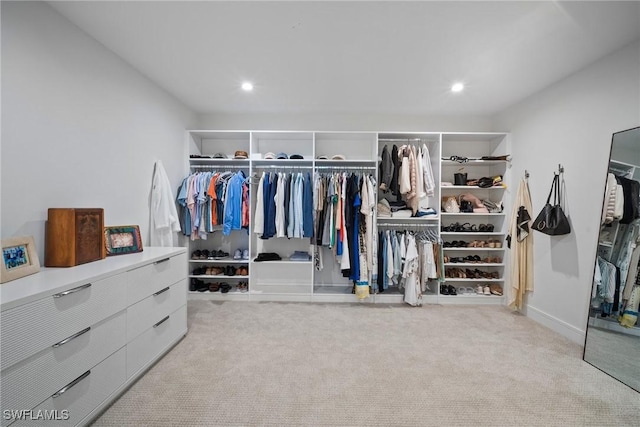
x=457, y=87
x=247, y=86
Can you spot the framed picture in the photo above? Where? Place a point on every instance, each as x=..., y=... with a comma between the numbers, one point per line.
x=19, y=258
x=122, y=239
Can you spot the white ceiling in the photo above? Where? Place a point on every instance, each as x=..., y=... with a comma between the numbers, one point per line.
x=356, y=57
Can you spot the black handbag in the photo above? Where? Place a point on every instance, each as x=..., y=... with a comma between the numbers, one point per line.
x=551, y=220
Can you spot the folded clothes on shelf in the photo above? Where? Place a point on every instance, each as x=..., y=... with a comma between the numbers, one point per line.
x=300, y=256
x=426, y=212
x=268, y=256
x=404, y=213
x=384, y=210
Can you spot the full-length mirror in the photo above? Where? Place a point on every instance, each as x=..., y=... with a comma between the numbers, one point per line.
x=612, y=341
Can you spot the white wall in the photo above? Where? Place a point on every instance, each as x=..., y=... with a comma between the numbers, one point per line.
x=345, y=122
x=571, y=122
x=80, y=128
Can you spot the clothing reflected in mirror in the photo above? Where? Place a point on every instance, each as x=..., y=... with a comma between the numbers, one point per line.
x=612, y=341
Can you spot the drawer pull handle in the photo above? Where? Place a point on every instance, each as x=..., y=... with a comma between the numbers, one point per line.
x=161, y=291
x=71, y=291
x=162, y=260
x=161, y=322
x=66, y=388
x=66, y=340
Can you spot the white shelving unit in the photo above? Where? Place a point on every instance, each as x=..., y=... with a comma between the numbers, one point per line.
x=475, y=146
x=288, y=280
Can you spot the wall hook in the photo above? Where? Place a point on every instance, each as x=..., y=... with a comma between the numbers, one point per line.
x=560, y=168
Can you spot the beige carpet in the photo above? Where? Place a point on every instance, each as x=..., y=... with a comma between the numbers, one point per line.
x=290, y=364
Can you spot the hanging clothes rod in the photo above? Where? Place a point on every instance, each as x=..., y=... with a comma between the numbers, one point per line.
x=340, y=167
x=399, y=139
x=407, y=225
x=283, y=167
x=215, y=167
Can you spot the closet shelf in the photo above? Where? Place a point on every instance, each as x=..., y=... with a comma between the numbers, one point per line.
x=473, y=249
x=474, y=163
x=606, y=244
x=471, y=214
x=449, y=279
x=470, y=187
x=497, y=297
x=471, y=264
x=282, y=261
x=210, y=161
x=219, y=261
x=470, y=233
x=411, y=220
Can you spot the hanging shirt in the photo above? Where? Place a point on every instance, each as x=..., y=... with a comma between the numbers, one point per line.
x=412, y=291
x=258, y=226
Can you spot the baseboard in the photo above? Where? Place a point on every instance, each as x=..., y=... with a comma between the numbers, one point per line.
x=563, y=328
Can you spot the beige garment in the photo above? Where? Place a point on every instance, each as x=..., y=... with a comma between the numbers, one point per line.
x=521, y=250
x=412, y=198
x=609, y=205
x=633, y=270
x=419, y=173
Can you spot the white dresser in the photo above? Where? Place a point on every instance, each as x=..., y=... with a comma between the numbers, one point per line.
x=72, y=339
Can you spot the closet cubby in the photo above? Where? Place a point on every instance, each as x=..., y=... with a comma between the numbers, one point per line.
x=328, y=152
x=462, y=153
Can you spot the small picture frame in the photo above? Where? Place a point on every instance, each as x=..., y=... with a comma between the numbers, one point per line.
x=19, y=258
x=122, y=239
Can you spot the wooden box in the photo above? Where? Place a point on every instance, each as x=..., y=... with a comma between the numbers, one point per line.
x=74, y=236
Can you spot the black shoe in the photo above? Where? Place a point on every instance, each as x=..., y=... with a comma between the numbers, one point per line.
x=230, y=270
x=193, y=285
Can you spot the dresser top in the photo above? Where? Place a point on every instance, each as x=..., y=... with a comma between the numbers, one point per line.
x=53, y=280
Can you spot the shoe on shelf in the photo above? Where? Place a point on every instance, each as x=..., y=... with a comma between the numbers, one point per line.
x=237, y=255
x=479, y=290
x=196, y=254
x=486, y=290
x=214, y=287
x=245, y=254
x=220, y=254
x=230, y=270
x=225, y=287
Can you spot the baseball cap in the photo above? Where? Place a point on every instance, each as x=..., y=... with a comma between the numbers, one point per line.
x=339, y=157
x=219, y=156
x=282, y=156
x=323, y=157
x=296, y=156
x=269, y=155
x=240, y=154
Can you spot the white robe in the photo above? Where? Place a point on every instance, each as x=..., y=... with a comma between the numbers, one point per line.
x=164, y=219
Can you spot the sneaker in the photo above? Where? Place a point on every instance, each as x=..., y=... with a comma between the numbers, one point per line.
x=245, y=254
x=237, y=255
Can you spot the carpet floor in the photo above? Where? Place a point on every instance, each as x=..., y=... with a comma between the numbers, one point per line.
x=292, y=364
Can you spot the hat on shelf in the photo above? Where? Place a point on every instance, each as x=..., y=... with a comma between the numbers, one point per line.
x=219, y=156
x=241, y=154
x=296, y=156
x=323, y=157
x=339, y=157
x=282, y=156
x=269, y=155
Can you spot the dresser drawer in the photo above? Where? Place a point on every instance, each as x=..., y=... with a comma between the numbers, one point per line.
x=83, y=394
x=32, y=380
x=143, y=314
x=151, y=278
x=33, y=327
x=146, y=346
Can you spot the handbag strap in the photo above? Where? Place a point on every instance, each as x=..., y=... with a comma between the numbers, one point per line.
x=554, y=185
